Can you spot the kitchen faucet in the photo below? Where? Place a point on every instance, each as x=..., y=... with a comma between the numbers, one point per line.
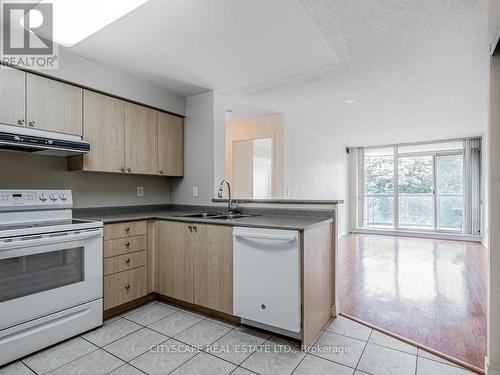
x=231, y=206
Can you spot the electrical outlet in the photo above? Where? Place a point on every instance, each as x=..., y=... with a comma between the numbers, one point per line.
x=195, y=191
x=140, y=191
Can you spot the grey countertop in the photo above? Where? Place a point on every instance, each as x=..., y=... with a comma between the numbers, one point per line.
x=299, y=223
x=284, y=201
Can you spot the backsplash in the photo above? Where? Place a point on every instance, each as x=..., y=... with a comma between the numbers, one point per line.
x=27, y=171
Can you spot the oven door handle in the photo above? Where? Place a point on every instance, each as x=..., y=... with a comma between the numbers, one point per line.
x=45, y=239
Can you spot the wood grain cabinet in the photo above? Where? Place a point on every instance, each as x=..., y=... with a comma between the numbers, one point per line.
x=125, y=263
x=170, y=145
x=12, y=89
x=175, y=260
x=195, y=264
x=52, y=105
x=141, y=128
x=104, y=129
x=213, y=267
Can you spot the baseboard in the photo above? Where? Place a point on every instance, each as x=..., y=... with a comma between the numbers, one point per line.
x=335, y=310
x=489, y=370
x=431, y=235
x=120, y=309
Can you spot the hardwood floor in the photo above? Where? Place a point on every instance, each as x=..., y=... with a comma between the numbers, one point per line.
x=433, y=292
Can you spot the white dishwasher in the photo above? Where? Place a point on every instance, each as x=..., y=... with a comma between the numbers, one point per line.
x=266, y=277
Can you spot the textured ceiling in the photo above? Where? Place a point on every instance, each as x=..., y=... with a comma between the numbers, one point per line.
x=416, y=70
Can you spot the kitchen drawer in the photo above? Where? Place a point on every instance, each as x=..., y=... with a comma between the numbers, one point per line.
x=120, y=230
x=125, y=262
x=126, y=245
x=125, y=286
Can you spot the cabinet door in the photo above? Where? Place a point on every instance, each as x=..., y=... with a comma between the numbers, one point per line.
x=104, y=128
x=170, y=145
x=141, y=127
x=12, y=108
x=124, y=287
x=53, y=105
x=213, y=267
x=175, y=260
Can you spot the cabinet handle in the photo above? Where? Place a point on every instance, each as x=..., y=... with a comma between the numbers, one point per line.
x=161, y=172
x=32, y=123
x=20, y=121
x=127, y=260
x=263, y=307
x=122, y=169
x=195, y=228
x=129, y=170
x=190, y=228
x=127, y=286
x=127, y=243
x=127, y=229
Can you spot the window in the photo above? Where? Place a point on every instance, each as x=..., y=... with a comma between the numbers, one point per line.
x=417, y=187
x=379, y=187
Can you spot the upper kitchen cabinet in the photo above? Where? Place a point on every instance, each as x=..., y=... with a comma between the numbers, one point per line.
x=170, y=145
x=53, y=105
x=104, y=129
x=12, y=109
x=141, y=128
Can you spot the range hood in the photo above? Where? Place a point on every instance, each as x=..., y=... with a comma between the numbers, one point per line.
x=41, y=142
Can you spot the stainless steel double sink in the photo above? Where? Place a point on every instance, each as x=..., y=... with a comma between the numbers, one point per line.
x=215, y=215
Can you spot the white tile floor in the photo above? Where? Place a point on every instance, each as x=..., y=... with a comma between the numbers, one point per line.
x=158, y=339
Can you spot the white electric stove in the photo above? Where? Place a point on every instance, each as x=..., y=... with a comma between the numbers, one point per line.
x=50, y=271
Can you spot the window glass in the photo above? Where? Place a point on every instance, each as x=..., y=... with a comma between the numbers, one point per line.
x=379, y=171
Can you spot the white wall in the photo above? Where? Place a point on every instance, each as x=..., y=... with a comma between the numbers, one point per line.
x=198, y=152
x=316, y=167
x=82, y=71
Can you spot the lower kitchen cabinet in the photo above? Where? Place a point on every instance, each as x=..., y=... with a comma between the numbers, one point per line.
x=126, y=265
x=125, y=286
x=195, y=264
x=213, y=267
x=175, y=260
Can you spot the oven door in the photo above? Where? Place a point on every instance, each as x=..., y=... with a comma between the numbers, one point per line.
x=40, y=275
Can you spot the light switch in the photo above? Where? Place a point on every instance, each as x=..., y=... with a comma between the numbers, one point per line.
x=195, y=191
x=140, y=191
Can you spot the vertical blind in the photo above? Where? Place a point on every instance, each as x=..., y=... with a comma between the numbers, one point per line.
x=472, y=206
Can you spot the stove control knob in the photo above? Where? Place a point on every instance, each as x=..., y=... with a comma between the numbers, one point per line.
x=53, y=197
x=43, y=197
x=63, y=196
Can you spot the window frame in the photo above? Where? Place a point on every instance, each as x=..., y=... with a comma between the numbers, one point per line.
x=396, y=156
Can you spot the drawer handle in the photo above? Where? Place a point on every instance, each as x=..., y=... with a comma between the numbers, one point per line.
x=127, y=260
x=127, y=286
x=190, y=228
x=263, y=307
x=195, y=228
x=127, y=229
x=127, y=243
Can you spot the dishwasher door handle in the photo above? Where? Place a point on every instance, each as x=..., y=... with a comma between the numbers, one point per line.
x=262, y=236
